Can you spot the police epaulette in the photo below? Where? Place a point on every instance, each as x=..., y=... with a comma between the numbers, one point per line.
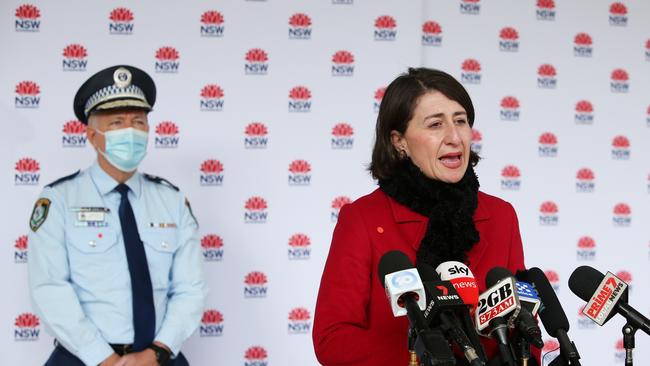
x=61, y=180
x=153, y=178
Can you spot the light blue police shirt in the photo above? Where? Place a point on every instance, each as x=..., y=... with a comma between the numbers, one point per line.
x=78, y=272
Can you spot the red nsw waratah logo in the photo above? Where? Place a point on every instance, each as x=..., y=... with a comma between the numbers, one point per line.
x=585, y=180
x=211, y=173
x=211, y=323
x=550, y=345
x=27, y=95
x=212, y=246
x=212, y=24
x=212, y=98
x=255, y=285
x=257, y=62
x=547, y=145
x=586, y=249
x=256, y=136
x=74, y=134
x=470, y=71
x=647, y=50
x=337, y=204
x=546, y=77
x=121, y=21
x=299, y=246
x=255, y=210
x=510, y=178
x=625, y=276
x=431, y=34
x=477, y=141
x=553, y=278
x=584, y=113
x=299, y=99
x=621, y=148
x=582, y=45
x=545, y=10
x=299, y=321
x=20, y=253
x=74, y=58
x=548, y=214
x=166, y=135
x=167, y=60
x=27, y=18
x=509, y=40
x=509, y=108
x=342, y=63
x=27, y=172
x=618, y=14
x=620, y=81
x=385, y=28
x=342, y=136
x=256, y=356
x=622, y=215
x=299, y=26
x=470, y=7
x=647, y=118
x=299, y=173
x=27, y=327
x=378, y=96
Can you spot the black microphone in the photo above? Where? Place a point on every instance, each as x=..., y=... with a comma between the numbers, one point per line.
x=553, y=316
x=606, y=295
x=406, y=294
x=524, y=321
x=444, y=305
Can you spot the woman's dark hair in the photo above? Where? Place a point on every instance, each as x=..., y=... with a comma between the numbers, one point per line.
x=397, y=107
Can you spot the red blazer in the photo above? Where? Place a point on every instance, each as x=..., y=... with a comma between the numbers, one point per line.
x=353, y=322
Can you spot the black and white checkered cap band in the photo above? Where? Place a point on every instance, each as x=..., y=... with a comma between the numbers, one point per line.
x=112, y=92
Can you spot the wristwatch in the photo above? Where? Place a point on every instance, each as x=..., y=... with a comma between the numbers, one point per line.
x=162, y=355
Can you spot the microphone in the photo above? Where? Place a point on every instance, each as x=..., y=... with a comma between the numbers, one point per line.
x=606, y=295
x=444, y=305
x=524, y=320
x=463, y=280
x=552, y=315
x=405, y=292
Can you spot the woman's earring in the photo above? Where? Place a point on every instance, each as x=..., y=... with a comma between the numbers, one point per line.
x=402, y=154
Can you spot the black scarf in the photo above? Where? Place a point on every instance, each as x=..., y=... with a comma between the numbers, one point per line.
x=449, y=206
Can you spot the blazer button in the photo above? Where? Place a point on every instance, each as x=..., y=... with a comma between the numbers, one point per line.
x=92, y=243
x=164, y=244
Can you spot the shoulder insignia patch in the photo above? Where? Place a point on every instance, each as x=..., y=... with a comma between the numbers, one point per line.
x=163, y=181
x=61, y=180
x=39, y=214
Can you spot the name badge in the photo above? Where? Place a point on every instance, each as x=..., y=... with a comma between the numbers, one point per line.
x=91, y=216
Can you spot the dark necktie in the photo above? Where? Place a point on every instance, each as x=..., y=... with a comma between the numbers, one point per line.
x=144, y=313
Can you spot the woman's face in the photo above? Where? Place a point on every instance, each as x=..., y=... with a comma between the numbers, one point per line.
x=437, y=138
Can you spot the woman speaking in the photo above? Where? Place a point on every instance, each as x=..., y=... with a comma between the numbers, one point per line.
x=428, y=205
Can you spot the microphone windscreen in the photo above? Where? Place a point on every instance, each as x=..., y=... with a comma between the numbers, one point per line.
x=392, y=261
x=427, y=272
x=553, y=316
x=584, y=281
x=495, y=275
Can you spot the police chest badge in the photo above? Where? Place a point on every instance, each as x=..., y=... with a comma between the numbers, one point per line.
x=39, y=214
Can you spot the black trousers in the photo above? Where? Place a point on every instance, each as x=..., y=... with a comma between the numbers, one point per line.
x=62, y=357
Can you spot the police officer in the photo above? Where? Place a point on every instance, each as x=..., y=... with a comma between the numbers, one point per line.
x=115, y=267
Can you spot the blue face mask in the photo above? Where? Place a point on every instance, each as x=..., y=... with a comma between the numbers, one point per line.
x=125, y=148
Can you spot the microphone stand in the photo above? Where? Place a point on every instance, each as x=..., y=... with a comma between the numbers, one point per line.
x=412, y=338
x=569, y=355
x=628, y=342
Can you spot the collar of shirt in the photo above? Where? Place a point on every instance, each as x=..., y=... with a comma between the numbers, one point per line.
x=106, y=184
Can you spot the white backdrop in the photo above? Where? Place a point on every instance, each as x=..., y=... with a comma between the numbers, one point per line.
x=265, y=119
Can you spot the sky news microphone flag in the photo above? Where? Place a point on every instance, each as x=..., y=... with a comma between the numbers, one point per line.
x=269, y=133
